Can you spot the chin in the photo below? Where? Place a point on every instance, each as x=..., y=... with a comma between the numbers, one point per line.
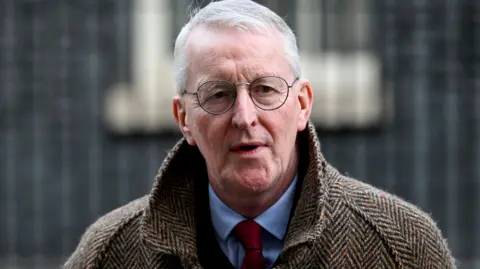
x=248, y=178
x=253, y=181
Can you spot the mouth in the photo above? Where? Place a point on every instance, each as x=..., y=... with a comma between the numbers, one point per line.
x=247, y=148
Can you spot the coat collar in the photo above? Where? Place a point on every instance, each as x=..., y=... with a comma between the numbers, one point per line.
x=169, y=221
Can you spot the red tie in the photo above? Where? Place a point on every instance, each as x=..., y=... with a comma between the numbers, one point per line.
x=250, y=235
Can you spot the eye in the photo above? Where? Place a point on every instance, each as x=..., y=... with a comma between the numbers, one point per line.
x=217, y=96
x=220, y=94
x=215, y=91
x=264, y=90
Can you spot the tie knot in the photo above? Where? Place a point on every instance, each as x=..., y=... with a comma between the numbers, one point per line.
x=250, y=234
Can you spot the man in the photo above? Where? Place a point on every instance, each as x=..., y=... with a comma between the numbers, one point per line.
x=247, y=186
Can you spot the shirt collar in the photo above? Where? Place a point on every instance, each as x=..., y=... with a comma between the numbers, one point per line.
x=275, y=219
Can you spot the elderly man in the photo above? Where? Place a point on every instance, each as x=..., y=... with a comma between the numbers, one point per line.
x=247, y=186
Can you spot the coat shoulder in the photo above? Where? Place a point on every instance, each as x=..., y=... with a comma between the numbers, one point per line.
x=99, y=234
x=411, y=234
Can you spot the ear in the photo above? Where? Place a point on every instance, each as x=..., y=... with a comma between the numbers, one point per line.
x=305, y=99
x=180, y=114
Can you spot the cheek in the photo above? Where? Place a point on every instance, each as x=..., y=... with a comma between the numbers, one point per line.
x=283, y=119
x=282, y=125
x=209, y=133
x=200, y=128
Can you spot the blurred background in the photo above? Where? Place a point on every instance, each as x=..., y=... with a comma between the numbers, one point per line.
x=85, y=109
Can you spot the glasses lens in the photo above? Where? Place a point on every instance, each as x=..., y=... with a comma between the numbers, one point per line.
x=216, y=96
x=269, y=93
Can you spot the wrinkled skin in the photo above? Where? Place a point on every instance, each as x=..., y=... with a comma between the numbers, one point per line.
x=248, y=183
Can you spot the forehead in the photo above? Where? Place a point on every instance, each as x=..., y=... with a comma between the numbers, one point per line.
x=221, y=52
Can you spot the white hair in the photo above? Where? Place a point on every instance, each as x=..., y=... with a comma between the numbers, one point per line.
x=244, y=15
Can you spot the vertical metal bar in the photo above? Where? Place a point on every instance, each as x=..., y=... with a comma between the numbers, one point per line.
x=476, y=161
x=330, y=15
x=122, y=27
x=176, y=18
x=360, y=147
x=66, y=207
x=360, y=161
x=356, y=27
x=11, y=164
x=391, y=61
x=154, y=162
x=94, y=146
x=357, y=23
x=309, y=17
x=38, y=141
x=451, y=126
x=420, y=86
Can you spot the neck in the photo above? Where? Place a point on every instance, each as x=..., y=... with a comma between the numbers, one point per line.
x=254, y=204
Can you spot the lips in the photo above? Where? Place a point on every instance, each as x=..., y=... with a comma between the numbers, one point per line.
x=246, y=146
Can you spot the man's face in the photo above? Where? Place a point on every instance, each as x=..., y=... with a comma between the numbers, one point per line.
x=269, y=137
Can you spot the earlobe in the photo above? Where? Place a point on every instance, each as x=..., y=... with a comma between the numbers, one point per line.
x=180, y=115
x=305, y=99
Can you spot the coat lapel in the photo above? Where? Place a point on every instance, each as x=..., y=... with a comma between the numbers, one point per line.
x=169, y=223
x=310, y=212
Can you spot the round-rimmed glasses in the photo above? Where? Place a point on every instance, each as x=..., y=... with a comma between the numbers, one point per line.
x=267, y=93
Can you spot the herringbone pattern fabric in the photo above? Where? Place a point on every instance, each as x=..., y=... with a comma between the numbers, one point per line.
x=338, y=222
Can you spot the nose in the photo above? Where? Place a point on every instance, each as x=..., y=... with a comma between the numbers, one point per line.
x=244, y=110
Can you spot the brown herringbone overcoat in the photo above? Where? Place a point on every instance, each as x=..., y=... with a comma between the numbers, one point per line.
x=338, y=222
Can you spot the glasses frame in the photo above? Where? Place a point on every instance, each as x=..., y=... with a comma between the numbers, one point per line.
x=235, y=85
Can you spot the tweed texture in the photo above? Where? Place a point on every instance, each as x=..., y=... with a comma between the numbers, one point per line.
x=338, y=222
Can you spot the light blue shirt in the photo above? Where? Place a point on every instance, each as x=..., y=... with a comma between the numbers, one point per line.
x=274, y=222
